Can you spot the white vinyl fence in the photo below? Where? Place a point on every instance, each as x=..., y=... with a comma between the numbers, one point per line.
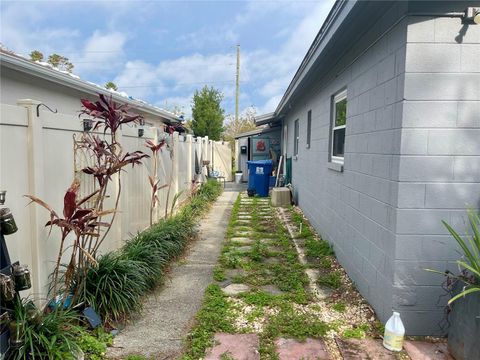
x=37, y=158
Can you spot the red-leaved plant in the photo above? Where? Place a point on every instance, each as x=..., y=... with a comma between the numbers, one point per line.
x=153, y=177
x=85, y=222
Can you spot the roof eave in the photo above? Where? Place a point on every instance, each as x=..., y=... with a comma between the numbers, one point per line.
x=335, y=17
x=40, y=71
x=266, y=119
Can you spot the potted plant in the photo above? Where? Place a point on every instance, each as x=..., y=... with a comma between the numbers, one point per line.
x=464, y=331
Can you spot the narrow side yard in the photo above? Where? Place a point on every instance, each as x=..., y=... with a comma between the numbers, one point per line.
x=168, y=312
x=279, y=293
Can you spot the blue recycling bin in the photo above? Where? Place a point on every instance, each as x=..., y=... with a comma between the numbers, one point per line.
x=259, y=176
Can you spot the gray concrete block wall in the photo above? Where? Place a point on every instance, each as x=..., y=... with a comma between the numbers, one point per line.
x=439, y=165
x=356, y=209
x=412, y=158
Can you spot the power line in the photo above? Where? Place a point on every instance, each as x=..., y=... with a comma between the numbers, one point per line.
x=178, y=84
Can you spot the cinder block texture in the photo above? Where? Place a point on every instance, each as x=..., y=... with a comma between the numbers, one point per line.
x=412, y=157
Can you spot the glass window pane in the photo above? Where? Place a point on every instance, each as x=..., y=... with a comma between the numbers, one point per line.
x=338, y=142
x=295, y=144
x=341, y=112
x=309, y=127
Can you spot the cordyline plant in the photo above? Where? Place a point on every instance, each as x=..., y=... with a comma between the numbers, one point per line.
x=107, y=161
x=153, y=179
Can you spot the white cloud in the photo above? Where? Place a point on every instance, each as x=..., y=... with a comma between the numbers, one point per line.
x=101, y=51
x=267, y=73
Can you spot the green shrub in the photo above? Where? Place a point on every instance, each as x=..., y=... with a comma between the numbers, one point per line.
x=47, y=335
x=93, y=348
x=115, y=287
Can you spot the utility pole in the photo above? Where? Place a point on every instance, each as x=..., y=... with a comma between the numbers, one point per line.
x=237, y=84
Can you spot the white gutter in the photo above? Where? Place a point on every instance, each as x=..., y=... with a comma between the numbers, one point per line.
x=29, y=67
x=264, y=119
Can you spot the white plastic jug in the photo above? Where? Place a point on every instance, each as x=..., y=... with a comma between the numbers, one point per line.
x=394, y=333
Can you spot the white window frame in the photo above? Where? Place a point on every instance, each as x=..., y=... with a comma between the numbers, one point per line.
x=336, y=99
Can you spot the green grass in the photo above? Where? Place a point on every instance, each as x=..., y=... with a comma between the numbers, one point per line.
x=357, y=332
x=219, y=274
x=333, y=279
x=317, y=248
x=289, y=323
x=214, y=316
x=339, y=306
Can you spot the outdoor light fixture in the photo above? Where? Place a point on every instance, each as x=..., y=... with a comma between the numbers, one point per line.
x=472, y=15
x=3, y=193
x=141, y=131
x=87, y=125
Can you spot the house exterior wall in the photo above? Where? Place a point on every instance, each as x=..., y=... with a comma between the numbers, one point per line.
x=439, y=166
x=355, y=210
x=412, y=157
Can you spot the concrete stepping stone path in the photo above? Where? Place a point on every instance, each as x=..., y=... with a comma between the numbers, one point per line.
x=271, y=289
x=422, y=350
x=235, y=346
x=242, y=240
x=356, y=349
x=231, y=273
x=310, y=349
x=235, y=289
x=245, y=248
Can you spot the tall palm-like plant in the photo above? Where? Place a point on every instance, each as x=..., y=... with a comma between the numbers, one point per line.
x=469, y=263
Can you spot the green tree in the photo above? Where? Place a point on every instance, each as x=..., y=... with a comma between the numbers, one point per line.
x=207, y=113
x=36, y=55
x=111, y=85
x=60, y=62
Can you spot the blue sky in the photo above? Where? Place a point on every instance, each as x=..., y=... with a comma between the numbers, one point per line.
x=161, y=51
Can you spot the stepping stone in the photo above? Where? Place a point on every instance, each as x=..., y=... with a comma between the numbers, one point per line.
x=272, y=261
x=422, y=350
x=320, y=292
x=355, y=349
x=243, y=222
x=244, y=217
x=241, y=233
x=225, y=283
x=235, y=346
x=242, y=240
x=310, y=349
x=235, y=289
x=231, y=273
x=245, y=248
x=275, y=248
x=271, y=289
